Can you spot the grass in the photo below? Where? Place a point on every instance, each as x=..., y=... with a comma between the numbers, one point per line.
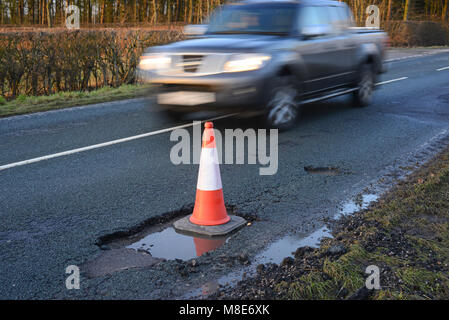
x=30, y=104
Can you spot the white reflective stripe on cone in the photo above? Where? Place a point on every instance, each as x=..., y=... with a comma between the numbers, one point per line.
x=209, y=176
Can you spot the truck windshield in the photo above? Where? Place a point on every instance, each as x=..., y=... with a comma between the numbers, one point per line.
x=253, y=18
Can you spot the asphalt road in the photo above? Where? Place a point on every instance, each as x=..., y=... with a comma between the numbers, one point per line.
x=53, y=211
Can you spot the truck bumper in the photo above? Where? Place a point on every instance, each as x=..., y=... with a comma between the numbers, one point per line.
x=231, y=92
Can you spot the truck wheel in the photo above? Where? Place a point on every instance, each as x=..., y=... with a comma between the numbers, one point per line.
x=282, y=108
x=365, y=86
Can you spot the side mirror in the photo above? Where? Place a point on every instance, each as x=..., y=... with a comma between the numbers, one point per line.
x=315, y=30
x=194, y=30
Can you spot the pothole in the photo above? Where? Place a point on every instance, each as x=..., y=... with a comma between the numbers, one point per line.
x=153, y=241
x=170, y=245
x=322, y=170
x=164, y=242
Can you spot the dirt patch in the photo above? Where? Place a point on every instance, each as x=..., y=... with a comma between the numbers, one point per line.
x=110, y=261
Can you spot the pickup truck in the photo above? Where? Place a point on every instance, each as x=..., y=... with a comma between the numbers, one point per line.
x=269, y=57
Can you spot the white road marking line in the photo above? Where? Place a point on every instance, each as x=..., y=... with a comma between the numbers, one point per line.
x=105, y=144
x=390, y=81
x=444, y=68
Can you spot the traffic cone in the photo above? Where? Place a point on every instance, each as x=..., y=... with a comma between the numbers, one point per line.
x=209, y=207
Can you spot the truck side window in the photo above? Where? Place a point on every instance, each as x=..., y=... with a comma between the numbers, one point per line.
x=337, y=19
x=313, y=16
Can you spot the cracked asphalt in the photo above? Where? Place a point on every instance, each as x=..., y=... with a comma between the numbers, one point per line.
x=53, y=212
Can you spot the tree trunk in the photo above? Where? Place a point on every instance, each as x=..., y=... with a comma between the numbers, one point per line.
x=103, y=9
x=49, y=13
x=154, y=16
x=199, y=18
x=168, y=11
x=1, y=12
x=445, y=10
x=189, y=20
x=389, y=11
x=20, y=11
x=408, y=5
x=177, y=10
x=41, y=12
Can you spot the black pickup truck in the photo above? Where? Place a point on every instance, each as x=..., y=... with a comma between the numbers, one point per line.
x=271, y=57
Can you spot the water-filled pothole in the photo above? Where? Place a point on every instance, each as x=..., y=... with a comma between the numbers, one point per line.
x=164, y=242
x=150, y=242
x=156, y=237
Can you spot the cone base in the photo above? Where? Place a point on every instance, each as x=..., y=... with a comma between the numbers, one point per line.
x=186, y=226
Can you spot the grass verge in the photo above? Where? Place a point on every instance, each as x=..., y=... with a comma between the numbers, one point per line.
x=29, y=104
x=405, y=234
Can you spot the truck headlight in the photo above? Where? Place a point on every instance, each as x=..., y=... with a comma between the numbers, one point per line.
x=246, y=62
x=153, y=62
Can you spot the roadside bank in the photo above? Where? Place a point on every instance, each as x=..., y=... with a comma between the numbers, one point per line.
x=405, y=234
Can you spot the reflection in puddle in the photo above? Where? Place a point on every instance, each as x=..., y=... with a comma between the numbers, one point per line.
x=203, y=245
x=170, y=245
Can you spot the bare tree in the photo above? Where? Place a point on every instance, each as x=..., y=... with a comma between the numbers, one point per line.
x=407, y=8
x=445, y=10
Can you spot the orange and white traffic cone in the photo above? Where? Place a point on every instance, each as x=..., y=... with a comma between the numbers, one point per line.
x=209, y=217
x=209, y=207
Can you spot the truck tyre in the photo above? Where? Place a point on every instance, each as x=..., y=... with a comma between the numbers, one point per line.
x=365, y=86
x=282, y=108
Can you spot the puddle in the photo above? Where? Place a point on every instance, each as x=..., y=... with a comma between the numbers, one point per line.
x=351, y=207
x=162, y=241
x=157, y=238
x=169, y=244
x=282, y=248
x=149, y=247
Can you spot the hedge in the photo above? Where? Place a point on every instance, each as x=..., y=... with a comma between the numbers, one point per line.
x=37, y=63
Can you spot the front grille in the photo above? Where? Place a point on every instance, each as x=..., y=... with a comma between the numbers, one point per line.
x=191, y=63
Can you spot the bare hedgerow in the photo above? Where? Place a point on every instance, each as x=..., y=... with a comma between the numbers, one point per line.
x=42, y=63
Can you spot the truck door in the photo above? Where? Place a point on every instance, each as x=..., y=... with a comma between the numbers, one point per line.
x=318, y=48
x=345, y=45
